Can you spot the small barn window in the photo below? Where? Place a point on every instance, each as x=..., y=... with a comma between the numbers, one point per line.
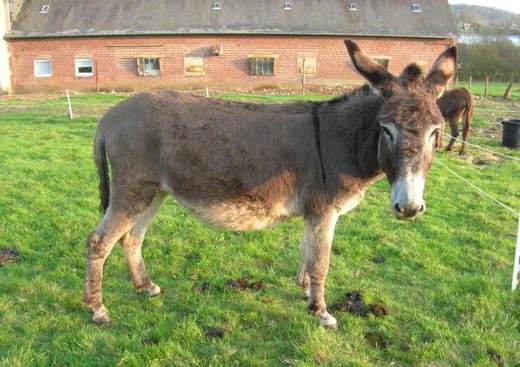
x=42, y=68
x=216, y=6
x=383, y=61
x=148, y=66
x=308, y=63
x=416, y=8
x=44, y=9
x=353, y=6
x=84, y=67
x=261, y=66
x=194, y=66
x=287, y=6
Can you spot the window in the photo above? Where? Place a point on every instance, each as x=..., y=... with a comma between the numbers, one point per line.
x=216, y=6
x=45, y=9
x=42, y=68
x=84, y=67
x=148, y=66
x=416, y=8
x=383, y=62
x=287, y=6
x=194, y=66
x=353, y=6
x=261, y=66
x=307, y=62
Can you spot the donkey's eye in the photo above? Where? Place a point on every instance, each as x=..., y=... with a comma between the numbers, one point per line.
x=387, y=133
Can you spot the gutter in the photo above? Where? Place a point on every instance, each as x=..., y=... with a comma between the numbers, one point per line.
x=73, y=34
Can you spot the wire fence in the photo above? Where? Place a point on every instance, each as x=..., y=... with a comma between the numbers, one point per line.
x=515, y=212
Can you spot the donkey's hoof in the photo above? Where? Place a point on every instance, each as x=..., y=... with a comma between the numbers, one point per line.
x=101, y=316
x=153, y=291
x=305, y=295
x=328, y=321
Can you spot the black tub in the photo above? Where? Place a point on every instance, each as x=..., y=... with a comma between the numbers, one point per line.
x=511, y=133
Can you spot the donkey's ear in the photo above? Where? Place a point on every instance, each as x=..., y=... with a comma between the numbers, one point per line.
x=374, y=72
x=442, y=71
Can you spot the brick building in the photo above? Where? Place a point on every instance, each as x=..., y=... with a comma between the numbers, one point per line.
x=180, y=44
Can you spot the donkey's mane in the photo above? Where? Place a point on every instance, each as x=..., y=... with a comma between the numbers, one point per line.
x=353, y=96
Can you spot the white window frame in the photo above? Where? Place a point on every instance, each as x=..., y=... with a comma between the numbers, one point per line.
x=76, y=66
x=36, y=68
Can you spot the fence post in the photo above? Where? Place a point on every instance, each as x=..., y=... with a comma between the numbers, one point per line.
x=70, y=106
x=207, y=92
x=470, y=82
x=516, y=267
x=509, y=89
x=457, y=81
x=486, y=87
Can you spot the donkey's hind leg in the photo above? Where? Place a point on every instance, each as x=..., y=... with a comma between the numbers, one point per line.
x=302, y=278
x=132, y=242
x=127, y=202
x=465, y=132
x=100, y=244
x=454, y=132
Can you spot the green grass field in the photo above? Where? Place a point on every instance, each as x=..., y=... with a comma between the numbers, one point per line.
x=496, y=89
x=445, y=279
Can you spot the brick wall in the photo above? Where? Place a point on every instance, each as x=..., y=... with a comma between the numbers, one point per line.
x=115, y=65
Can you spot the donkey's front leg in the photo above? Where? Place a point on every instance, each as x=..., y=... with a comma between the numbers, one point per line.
x=318, y=234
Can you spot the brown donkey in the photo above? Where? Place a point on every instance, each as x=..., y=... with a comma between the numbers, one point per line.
x=246, y=166
x=455, y=104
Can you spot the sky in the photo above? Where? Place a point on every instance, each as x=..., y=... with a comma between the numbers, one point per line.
x=509, y=5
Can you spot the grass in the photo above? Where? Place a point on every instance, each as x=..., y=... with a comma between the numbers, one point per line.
x=446, y=277
x=496, y=89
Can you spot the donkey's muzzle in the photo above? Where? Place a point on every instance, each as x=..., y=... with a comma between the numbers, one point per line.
x=407, y=196
x=408, y=212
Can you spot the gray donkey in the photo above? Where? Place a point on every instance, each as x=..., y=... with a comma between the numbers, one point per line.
x=247, y=166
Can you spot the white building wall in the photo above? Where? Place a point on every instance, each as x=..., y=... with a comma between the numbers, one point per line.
x=5, y=74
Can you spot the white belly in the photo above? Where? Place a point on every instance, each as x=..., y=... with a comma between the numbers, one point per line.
x=242, y=214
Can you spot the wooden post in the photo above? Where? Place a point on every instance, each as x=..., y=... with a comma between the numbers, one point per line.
x=70, y=106
x=207, y=92
x=303, y=76
x=470, y=82
x=509, y=90
x=457, y=81
x=516, y=267
x=486, y=87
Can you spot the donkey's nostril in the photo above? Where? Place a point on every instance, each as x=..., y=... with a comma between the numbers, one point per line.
x=397, y=208
x=422, y=209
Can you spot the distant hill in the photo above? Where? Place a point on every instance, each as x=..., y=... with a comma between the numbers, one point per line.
x=486, y=20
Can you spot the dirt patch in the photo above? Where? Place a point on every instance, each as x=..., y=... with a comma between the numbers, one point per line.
x=215, y=332
x=405, y=347
x=200, y=287
x=376, y=340
x=244, y=283
x=483, y=158
x=378, y=259
x=150, y=341
x=495, y=357
x=378, y=309
x=8, y=255
x=357, y=306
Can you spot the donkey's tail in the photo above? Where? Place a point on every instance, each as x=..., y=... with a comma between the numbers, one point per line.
x=468, y=115
x=100, y=157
